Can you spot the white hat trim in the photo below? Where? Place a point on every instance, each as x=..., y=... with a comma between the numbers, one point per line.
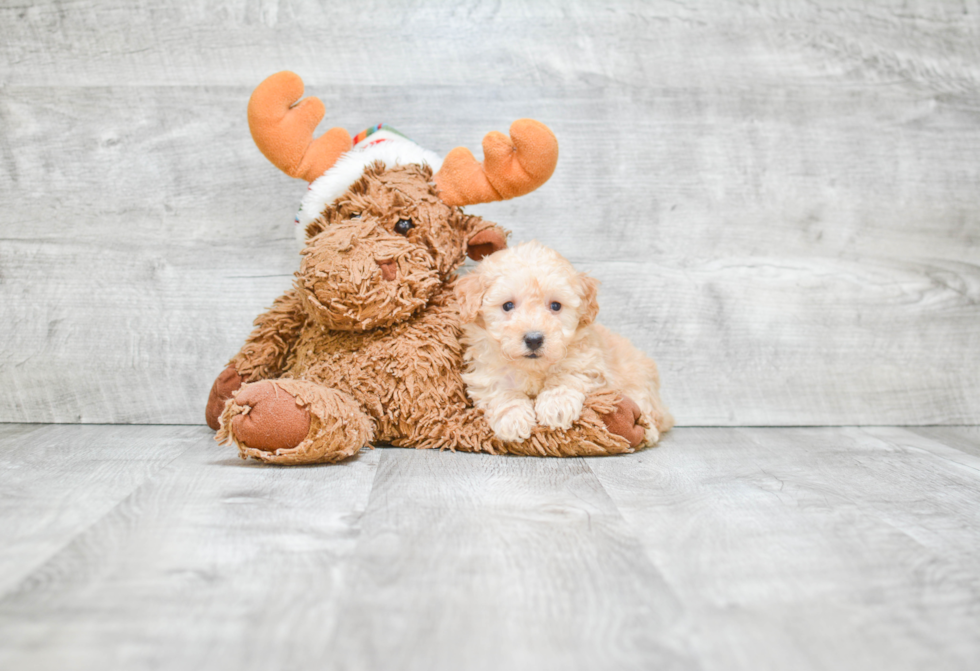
x=389, y=148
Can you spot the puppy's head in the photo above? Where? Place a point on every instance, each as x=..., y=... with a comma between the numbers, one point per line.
x=529, y=302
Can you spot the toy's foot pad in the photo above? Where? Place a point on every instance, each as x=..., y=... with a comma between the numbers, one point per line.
x=289, y=421
x=625, y=421
x=272, y=418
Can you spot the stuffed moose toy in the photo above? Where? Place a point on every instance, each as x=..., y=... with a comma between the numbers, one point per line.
x=364, y=348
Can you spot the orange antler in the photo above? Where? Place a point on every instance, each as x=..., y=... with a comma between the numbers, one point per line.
x=511, y=166
x=282, y=128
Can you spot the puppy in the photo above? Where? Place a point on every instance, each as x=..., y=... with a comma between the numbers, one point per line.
x=534, y=351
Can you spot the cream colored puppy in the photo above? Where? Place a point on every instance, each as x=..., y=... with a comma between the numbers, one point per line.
x=534, y=351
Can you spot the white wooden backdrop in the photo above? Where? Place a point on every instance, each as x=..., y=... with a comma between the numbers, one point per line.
x=781, y=197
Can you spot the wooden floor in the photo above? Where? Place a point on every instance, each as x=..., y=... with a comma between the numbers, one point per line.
x=137, y=547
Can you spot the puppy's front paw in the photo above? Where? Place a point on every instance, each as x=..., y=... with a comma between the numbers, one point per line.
x=559, y=407
x=514, y=423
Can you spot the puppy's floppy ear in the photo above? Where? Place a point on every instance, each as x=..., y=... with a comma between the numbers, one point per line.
x=588, y=291
x=469, y=292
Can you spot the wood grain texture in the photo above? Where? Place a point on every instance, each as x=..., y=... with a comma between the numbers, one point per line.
x=812, y=548
x=202, y=566
x=780, y=198
x=479, y=562
x=522, y=43
x=723, y=549
x=963, y=438
x=57, y=481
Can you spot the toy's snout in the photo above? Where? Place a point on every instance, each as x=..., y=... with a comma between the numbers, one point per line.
x=357, y=275
x=389, y=269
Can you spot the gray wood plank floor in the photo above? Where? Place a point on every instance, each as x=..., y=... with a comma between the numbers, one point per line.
x=826, y=548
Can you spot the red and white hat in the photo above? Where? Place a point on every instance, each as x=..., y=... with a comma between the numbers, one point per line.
x=377, y=143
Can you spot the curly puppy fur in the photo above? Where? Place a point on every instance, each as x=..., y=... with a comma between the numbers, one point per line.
x=534, y=352
x=365, y=347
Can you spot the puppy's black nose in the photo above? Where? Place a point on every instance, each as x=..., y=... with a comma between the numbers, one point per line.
x=534, y=340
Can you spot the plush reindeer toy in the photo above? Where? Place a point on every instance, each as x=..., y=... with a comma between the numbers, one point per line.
x=364, y=348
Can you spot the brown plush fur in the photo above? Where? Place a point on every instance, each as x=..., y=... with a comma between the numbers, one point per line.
x=366, y=344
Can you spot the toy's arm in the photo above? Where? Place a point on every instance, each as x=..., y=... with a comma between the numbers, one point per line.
x=268, y=347
x=264, y=355
x=598, y=431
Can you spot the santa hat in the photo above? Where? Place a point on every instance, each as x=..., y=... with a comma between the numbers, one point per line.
x=377, y=143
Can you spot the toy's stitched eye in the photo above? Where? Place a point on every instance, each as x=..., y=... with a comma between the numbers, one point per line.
x=404, y=226
x=555, y=306
x=508, y=306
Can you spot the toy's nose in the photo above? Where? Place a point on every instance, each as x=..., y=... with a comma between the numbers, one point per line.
x=389, y=269
x=534, y=340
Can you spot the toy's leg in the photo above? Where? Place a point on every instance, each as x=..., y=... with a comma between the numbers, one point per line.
x=650, y=414
x=627, y=421
x=590, y=435
x=618, y=415
x=294, y=422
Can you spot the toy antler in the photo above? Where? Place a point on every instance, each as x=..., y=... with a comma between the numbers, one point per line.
x=282, y=128
x=511, y=166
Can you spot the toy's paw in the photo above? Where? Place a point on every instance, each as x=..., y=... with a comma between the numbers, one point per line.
x=624, y=421
x=514, y=423
x=559, y=407
x=227, y=383
x=273, y=419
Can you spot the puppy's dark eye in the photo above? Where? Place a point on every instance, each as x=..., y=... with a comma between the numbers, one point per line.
x=555, y=306
x=508, y=306
x=404, y=226
x=354, y=215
